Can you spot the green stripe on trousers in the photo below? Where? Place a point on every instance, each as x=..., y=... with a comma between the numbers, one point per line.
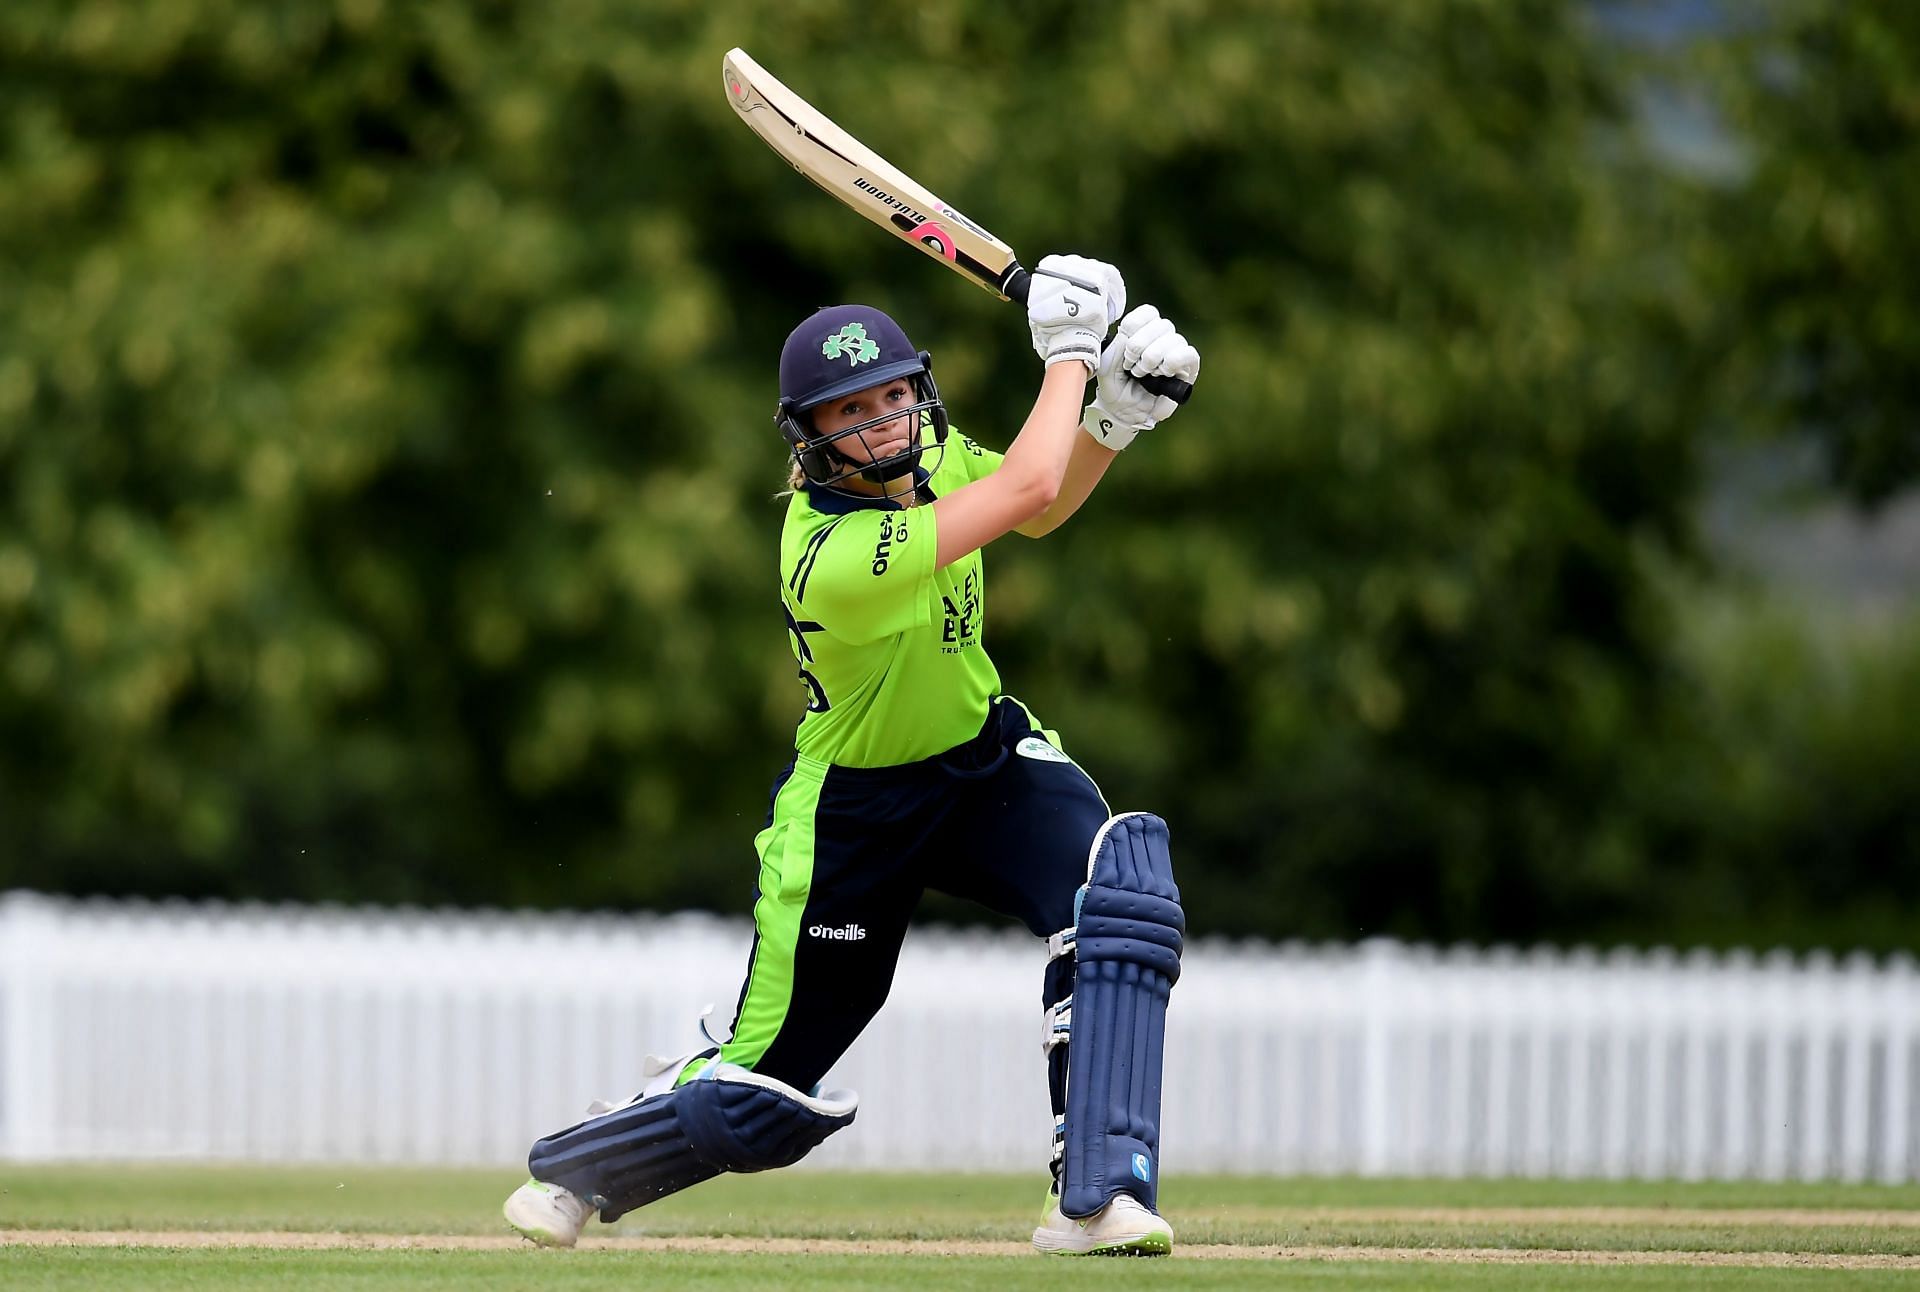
x=786, y=880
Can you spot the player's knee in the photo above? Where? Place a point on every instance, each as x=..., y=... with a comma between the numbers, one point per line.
x=1131, y=912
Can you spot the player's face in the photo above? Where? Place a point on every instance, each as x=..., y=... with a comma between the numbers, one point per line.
x=877, y=441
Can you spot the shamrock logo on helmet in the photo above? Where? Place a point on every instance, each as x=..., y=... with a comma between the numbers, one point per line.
x=852, y=343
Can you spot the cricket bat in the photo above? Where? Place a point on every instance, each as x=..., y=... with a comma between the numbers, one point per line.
x=885, y=194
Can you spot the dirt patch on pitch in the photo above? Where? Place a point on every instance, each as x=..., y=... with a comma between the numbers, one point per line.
x=287, y=1241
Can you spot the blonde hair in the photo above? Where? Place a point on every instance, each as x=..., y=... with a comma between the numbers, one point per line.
x=796, y=480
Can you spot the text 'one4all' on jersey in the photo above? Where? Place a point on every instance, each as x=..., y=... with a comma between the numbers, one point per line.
x=889, y=648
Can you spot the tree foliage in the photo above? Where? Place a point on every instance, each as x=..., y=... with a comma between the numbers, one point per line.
x=1817, y=245
x=386, y=454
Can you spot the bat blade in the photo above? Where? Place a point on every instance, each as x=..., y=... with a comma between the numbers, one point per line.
x=859, y=177
x=864, y=180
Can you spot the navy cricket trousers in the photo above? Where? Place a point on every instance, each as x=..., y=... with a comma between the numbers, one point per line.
x=1005, y=820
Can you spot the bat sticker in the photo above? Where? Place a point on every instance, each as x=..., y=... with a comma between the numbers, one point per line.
x=954, y=215
x=930, y=234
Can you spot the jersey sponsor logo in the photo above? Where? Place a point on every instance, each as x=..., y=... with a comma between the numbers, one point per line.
x=1038, y=749
x=972, y=447
x=890, y=534
x=962, y=626
x=840, y=933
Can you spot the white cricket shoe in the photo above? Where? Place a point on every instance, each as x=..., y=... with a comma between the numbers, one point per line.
x=1121, y=1228
x=547, y=1214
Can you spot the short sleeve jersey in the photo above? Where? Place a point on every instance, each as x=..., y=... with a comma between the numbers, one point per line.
x=889, y=648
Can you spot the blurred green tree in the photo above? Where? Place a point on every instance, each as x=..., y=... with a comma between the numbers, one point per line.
x=1815, y=247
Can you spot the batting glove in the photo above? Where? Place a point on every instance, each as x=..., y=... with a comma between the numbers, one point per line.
x=1071, y=303
x=1145, y=346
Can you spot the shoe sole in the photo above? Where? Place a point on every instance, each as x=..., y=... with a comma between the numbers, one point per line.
x=534, y=1233
x=1145, y=1245
x=539, y=1237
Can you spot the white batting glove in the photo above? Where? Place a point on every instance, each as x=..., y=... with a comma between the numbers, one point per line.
x=1145, y=346
x=1071, y=303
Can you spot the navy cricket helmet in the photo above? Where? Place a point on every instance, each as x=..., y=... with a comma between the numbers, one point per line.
x=833, y=353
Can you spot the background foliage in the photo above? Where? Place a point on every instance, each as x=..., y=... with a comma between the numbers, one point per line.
x=386, y=461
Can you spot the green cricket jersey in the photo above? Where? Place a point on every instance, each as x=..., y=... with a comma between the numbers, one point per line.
x=889, y=648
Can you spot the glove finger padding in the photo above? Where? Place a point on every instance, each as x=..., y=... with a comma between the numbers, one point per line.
x=1146, y=345
x=1134, y=350
x=1168, y=355
x=1139, y=318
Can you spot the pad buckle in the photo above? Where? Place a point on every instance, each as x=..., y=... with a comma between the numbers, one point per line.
x=1056, y=1025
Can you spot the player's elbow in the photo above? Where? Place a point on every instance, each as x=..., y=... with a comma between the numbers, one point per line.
x=1037, y=493
x=1045, y=496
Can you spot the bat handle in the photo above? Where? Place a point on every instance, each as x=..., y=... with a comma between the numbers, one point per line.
x=1171, y=387
x=1014, y=288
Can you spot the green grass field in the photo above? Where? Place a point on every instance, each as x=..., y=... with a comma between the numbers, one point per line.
x=221, y=1228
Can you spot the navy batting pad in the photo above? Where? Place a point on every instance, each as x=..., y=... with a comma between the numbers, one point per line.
x=726, y=1120
x=1127, y=955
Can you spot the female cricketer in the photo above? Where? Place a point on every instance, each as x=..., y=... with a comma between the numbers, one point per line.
x=913, y=770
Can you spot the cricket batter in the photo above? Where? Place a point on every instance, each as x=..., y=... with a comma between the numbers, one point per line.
x=913, y=769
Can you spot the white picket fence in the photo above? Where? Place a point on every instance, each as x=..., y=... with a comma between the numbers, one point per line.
x=134, y=1030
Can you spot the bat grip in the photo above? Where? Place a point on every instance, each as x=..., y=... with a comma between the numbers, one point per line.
x=1015, y=288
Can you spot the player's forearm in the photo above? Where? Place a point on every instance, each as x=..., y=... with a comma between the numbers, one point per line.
x=1029, y=478
x=1037, y=460
x=1085, y=468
